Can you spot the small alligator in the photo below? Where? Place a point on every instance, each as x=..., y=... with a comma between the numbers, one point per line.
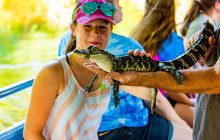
x=109, y=62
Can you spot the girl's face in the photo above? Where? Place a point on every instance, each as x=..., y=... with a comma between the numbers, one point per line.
x=95, y=32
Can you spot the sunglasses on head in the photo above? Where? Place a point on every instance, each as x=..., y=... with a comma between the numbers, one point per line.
x=90, y=7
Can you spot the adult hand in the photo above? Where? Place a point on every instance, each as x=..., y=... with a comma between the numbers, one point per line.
x=128, y=77
x=211, y=40
x=138, y=52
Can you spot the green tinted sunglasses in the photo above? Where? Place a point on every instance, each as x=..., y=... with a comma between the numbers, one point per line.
x=90, y=7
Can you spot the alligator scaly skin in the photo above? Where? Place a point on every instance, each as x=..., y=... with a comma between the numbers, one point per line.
x=146, y=64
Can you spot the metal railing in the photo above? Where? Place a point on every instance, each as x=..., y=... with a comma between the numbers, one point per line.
x=14, y=132
x=14, y=88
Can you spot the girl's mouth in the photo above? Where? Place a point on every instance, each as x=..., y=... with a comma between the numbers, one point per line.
x=95, y=43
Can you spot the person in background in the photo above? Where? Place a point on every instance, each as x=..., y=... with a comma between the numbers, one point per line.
x=132, y=118
x=156, y=32
x=199, y=12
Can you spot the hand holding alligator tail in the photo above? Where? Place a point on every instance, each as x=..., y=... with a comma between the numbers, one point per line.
x=109, y=62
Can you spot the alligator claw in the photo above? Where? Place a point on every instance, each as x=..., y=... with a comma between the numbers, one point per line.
x=179, y=78
x=89, y=88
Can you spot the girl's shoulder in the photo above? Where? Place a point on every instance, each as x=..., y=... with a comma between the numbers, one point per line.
x=52, y=69
x=53, y=66
x=49, y=78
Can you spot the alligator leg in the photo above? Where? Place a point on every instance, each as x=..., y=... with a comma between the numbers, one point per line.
x=89, y=88
x=115, y=92
x=172, y=70
x=153, y=93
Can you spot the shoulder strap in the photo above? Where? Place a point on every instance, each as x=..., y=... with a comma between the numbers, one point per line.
x=67, y=59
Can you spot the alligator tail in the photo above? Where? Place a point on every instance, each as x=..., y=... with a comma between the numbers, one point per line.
x=195, y=52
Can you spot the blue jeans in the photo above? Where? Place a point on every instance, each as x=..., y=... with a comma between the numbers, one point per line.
x=157, y=129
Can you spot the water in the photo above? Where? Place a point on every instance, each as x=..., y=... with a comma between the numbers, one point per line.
x=21, y=57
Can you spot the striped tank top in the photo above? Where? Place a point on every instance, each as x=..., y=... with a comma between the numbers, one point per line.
x=76, y=114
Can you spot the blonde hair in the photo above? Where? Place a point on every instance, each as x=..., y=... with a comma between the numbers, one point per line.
x=157, y=25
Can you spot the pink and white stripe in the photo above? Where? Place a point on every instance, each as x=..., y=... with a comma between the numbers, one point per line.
x=75, y=114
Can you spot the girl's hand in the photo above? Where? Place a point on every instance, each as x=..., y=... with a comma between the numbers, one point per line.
x=92, y=66
x=127, y=77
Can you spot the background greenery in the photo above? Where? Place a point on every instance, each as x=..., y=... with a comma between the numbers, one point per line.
x=30, y=32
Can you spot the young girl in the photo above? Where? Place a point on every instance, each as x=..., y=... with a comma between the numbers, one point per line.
x=59, y=107
x=157, y=34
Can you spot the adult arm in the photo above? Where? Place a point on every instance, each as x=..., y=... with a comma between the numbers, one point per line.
x=44, y=92
x=204, y=80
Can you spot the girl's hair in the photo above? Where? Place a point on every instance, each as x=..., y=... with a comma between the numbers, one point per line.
x=196, y=8
x=72, y=43
x=157, y=25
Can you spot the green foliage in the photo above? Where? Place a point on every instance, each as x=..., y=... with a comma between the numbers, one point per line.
x=131, y=17
x=21, y=15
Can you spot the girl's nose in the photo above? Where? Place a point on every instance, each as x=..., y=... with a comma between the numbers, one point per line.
x=96, y=32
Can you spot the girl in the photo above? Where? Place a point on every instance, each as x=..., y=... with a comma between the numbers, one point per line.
x=157, y=34
x=59, y=107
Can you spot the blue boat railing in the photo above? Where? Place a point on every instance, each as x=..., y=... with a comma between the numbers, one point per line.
x=14, y=88
x=14, y=132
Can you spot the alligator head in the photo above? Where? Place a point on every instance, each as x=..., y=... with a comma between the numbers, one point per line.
x=102, y=58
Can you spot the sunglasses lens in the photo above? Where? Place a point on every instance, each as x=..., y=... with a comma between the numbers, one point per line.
x=89, y=7
x=107, y=9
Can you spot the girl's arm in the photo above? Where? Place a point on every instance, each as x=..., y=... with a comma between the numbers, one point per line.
x=163, y=107
x=44, y=92
x=179, y=97
x=165, y=110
